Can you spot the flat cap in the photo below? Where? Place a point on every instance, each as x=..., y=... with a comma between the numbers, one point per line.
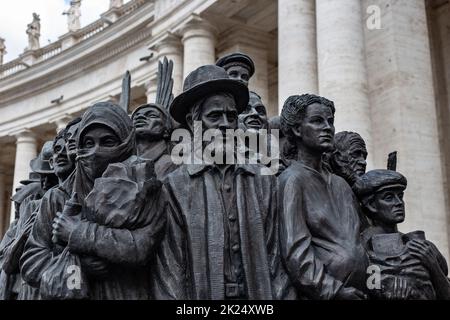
x=238, y=59
x=376, y=180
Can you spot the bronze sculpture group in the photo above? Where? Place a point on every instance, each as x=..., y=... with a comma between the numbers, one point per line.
x=107, y=214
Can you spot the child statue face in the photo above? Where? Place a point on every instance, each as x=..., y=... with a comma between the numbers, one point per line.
x=388, y=206
x=239, y=73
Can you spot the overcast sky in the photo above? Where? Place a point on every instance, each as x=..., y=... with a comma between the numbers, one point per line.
x=15, y=15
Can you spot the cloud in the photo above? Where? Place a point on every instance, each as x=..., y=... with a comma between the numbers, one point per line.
x=15, y=15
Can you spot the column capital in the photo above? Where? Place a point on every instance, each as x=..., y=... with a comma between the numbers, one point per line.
x=169, y=43
x=24, y=135
x=196, y=26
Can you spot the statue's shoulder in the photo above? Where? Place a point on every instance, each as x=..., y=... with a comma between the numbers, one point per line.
x=337, y=180
x=176, y=176
x=295, y=171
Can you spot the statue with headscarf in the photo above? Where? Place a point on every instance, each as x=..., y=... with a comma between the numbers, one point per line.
x=113, y=219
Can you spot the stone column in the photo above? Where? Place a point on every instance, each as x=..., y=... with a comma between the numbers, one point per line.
x=199, y=45
x=26, y=150
x=3, y=218
x=150, y=90
x=297, y=53
x=170, y=46
x=342, y=65
x=253, y=43
x=439, y=24
x=403, y=110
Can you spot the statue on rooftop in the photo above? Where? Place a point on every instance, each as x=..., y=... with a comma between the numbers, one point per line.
x=34, y=33
x=2, y=50
x=115, y=3
x=73, y=16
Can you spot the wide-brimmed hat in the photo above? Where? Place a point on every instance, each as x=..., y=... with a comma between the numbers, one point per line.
x=203, y=82
x=41, y=164
x=237, y=59
x=32, y=178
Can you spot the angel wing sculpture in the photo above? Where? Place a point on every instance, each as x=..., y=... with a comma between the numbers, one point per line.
x=392, y=161
x=126, y=92
x=164, y=95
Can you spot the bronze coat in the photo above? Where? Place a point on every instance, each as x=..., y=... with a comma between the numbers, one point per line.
x=190, y=262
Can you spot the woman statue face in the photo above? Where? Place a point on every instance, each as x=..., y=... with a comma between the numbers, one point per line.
x=99, y=136
x=316, y=130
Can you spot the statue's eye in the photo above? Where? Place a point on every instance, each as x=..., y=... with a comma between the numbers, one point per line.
x=109, y=142
x=261, y=110
x=214, y=116
x=89, y=143
x=232, y=116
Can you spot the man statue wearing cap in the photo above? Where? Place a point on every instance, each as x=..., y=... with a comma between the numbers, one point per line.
x=27, y=214
x=221, y=240
x=239, y=66
x=154, y=126
x=411, y=267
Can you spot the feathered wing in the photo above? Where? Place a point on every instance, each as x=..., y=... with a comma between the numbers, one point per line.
x=392, y=161
x=164, y=95
x=126, y=91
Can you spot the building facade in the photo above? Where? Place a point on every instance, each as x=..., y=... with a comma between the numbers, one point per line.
x=385, y=63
